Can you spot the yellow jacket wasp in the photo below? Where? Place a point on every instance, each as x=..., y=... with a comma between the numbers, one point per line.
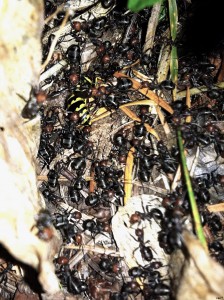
x=77, y=102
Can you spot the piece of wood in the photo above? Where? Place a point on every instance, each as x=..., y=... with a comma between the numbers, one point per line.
x=20, y=51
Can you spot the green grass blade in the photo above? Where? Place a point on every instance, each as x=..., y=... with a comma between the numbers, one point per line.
x=174, y=69
x=137, y=5
x=173, y=15
x=194, y=208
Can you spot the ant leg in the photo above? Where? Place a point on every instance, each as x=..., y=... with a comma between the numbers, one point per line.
x=21, y=97
x=149, y=246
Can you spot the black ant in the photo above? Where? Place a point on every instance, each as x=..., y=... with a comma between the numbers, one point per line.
x=4, y=271
x=73, y=283
x=67, y=223
x=44, y=225
x=154, y=213
x=49, y=194
x=31, y=109
x=146, y=251
x=109, y=264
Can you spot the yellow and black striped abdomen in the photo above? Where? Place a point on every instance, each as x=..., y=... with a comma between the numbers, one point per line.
x=77, y=102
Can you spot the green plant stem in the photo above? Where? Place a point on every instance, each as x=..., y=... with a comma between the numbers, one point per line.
x=174, y=69
x=194, y=208
x=173, y=16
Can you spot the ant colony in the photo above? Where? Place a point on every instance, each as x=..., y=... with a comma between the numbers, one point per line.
x=109, y=166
